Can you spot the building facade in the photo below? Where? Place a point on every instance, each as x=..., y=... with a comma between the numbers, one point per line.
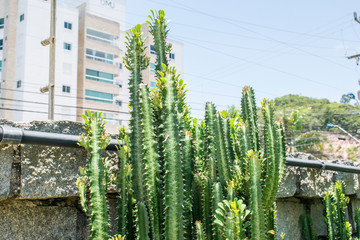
x=89, y=73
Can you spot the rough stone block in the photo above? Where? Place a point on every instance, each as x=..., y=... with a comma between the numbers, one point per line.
x=41, y=222
x=288, y=185
x=317, y=216
x=6, y=160
x=288, y=214
x=49, y=172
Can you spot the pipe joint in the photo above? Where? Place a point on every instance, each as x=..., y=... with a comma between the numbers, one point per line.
x=10, y=135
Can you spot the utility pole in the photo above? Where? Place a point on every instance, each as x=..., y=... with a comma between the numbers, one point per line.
x=356, y=56
x=51, y=40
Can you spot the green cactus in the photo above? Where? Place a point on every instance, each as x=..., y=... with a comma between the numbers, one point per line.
x=222, y=160
x=216, y=199
x=136, y=61
x=199, y=231
x=249, y=115
x=158, y=28
x=151, y=163
x=357, y=221
x=307, y=227
x=142, y=222
x=173, y=181
x=231, y=218
x=210, y=145
x=335, y=206
x=256, y=197
x=95, y=140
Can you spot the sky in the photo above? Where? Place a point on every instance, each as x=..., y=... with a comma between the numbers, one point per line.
x=276, y=47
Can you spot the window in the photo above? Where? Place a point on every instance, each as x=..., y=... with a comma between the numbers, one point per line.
x=101, y=36
x=99, y=56
x=22, y=17
x=1, y=23
x=1, y=44
x=99, y=96
x=152, y=49
x=172, y=55
x=152, y=84
x=68, y=25
x=0, y=66
x=18, y=84
x=118, y=102
x=152, y=67
x=66, y=89
x=99, y=76
x=67, y=46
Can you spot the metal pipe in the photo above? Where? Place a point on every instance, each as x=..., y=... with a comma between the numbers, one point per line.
x=11, y=135
x=297, y=162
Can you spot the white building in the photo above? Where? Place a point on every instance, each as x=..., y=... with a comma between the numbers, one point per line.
x=89, y=47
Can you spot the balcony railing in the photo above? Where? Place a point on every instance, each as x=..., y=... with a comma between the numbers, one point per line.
x=104, y=40
x=100, y=59
x=99, y=79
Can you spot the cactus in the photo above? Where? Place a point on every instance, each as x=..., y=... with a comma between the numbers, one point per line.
x=335, y=205
x=199, y=231
x=357, y=221
x=230, y=217
x=158, y=28
x=256, y=202
x=136, y=61
x=174, y=185
x=151, y=162
x=95, y=140
x=175, y=172
x=307, y=227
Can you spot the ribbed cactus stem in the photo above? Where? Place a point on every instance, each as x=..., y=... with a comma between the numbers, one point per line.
x=210, y=145
x=174, y=185
x=256, y=203
x=142, y=223
x=158, y=28
x=357, y=221
x=200, y=235
x=151, y=162
x=207, y=214
x=216, y=199
x=82, y=185
x=307, y=227
x=222, y=160
x=271, y=163
x=249, y=115
x=136, y=61
x=229, y=140
x=95, y=140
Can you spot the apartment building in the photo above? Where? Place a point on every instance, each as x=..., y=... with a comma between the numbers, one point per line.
x=89, y=73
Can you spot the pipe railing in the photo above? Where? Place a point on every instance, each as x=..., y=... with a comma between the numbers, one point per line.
x=11, y=135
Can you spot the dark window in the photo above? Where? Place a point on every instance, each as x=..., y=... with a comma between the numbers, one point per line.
x=66, y=89
x=22, y=17
x=68, y=25
x=1, y=23
x=18, y=84
x=118, y=102
x=152, y=49
x=1, y=44
x=172, y=55
x=67, y=46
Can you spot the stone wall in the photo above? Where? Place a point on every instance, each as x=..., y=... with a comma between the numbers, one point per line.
x=39, y=199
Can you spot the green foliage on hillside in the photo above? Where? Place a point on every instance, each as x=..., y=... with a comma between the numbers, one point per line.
x=316, y=113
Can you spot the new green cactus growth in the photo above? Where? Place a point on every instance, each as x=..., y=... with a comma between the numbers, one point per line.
x=95, y=140
x=335, y=205
x=231, y=218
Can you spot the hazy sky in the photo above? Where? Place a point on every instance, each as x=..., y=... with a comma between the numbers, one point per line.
x=277, y=47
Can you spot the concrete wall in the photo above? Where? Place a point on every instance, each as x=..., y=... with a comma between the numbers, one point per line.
x=39, y=200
